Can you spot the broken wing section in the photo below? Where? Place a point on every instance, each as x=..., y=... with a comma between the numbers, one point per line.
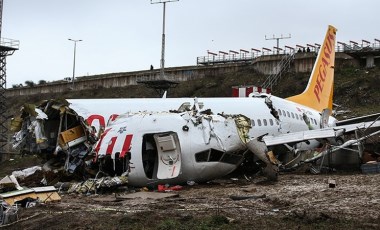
x=55, y=132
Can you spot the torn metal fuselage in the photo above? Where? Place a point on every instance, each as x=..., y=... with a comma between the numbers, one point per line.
x=55, y=132
x=172, y=148
x=149, y=148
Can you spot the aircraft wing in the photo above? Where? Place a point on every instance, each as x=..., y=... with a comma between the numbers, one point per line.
x=363, y=125
x=302, y=136
x=318, y=133
x=365, y=118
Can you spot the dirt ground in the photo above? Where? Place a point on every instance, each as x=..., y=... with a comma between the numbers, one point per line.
x=296, y=201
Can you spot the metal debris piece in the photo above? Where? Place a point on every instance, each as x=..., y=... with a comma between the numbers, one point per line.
x=8, y=213
x=332, y=183
x=92, y=185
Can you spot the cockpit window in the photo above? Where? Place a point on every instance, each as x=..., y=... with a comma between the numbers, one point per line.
x=215, y=155
x=202, y=156
x=231, y=158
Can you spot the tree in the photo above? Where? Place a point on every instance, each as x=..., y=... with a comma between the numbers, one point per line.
x=42, y=82
x=29, y=83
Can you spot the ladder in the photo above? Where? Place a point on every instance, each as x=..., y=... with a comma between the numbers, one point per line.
x=282, y=67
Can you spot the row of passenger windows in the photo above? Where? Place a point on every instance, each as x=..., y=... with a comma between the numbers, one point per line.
x=281, y=113
x=264, y=122
x=295, y=116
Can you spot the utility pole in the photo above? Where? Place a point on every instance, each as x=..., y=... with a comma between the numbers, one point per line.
x=75, y=49
x=278, y=40
x=162, y=64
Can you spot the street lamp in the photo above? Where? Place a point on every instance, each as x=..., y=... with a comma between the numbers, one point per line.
x=163, y=33
x=75, y=48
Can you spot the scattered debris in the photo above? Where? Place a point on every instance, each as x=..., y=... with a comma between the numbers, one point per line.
x=8, y=213
x=9, y=183
x=168, y=188
x=332, y=183
x=52, y=129
x=22, y=174
x=93, y=185
x=43, y=194
x=370, y=167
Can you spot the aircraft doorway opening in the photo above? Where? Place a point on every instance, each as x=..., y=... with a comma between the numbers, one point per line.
x=161, y=155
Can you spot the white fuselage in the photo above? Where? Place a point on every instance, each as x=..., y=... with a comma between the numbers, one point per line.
x=191, y=142
x=290, y=113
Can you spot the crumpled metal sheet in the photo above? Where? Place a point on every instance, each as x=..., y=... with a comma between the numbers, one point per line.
x=91, y=185
x=49, y=117
x=243, y=125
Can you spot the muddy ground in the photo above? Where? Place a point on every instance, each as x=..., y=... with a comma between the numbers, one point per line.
x=296, y=201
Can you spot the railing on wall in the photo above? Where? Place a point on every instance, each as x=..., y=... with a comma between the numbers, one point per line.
x=246, y=56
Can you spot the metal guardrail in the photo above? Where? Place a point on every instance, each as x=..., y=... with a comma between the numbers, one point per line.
x=222, y=57
x=353, y=48
x=242, y=57
x=7, y=42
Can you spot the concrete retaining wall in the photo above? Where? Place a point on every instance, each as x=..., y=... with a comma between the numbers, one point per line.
x=266, y=64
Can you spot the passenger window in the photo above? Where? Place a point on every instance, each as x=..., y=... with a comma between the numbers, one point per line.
x=287, y=112
x=283, y=111
x=271, y=122
x=292, y=115
x=258, y=122
x=277, y=122
x=297, y=116
x=253, y=122
x=279, y=112
x=265, y=122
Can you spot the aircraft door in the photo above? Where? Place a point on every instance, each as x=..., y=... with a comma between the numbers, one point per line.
x=169, y=155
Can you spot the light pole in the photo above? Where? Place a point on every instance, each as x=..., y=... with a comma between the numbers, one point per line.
x=75, y=49
x=163, y=34
x=278, y=40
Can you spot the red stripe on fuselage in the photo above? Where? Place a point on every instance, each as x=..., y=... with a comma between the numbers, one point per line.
x=100, y=143
x=110, y=146
x=126, y=145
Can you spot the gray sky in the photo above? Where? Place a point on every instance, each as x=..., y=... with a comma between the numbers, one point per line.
x=125, y=35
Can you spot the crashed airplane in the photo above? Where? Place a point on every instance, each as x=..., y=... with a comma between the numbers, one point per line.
x=159, y=141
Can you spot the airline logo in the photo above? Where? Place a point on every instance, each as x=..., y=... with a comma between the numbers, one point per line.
x=324, y=63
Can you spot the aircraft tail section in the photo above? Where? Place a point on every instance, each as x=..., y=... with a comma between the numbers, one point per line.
x=319, y=91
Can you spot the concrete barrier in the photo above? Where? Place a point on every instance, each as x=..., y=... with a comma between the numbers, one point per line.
x=266, y=64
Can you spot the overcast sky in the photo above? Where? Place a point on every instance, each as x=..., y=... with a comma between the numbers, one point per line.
x=125, y=35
